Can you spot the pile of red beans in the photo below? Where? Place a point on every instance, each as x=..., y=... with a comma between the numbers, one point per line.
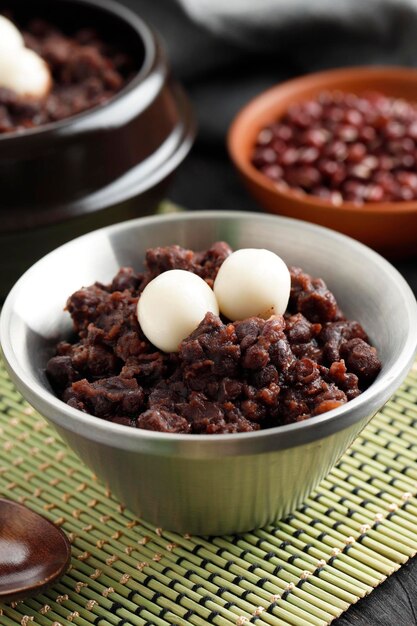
x=343, y=148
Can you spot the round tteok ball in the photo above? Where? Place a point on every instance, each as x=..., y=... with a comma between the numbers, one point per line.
x=10, y=37
x=21, y=69
x=172, y=305
x=25, y=73
x=252, y=282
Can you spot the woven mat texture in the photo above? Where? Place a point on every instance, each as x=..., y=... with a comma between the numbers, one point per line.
x=353, y=532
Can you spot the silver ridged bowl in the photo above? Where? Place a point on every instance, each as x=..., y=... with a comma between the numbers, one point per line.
x=210, y=484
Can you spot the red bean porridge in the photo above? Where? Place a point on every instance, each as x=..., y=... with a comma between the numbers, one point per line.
x=86, y=72
x=343, y=147
x=227, y=377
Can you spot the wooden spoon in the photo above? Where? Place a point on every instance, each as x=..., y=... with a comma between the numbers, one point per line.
x=33, y=552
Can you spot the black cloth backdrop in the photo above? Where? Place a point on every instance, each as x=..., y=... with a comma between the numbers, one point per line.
x=239, y=47
x=225, y=55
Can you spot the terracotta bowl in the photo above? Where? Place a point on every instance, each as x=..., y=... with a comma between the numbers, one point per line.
x=389, y=227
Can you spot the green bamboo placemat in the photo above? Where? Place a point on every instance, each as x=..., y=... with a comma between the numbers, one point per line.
x=353, y=532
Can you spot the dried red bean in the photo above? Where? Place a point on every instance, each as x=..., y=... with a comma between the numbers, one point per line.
x=305, y=177
x=274, y=172
x=265, y=137
x=289, y=157
x=283, y=132
x=374, y=193
x=343, y=147
x=264, y=156
x=308, y=155
x=356, y=152
x=317, y=137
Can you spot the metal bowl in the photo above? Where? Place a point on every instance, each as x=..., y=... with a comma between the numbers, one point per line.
x=210, y=484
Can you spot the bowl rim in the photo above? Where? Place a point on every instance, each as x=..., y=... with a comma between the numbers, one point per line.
x=267, y=99
x=200, y=445
x=76, y=122
x=131, y=183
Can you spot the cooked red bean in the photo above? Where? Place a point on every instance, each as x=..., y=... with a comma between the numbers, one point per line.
x=342, y=147
x=86, y=73
x=226, y=377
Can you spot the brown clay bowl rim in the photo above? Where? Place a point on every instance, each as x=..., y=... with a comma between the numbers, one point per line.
x=76, y=123
x=245, y=122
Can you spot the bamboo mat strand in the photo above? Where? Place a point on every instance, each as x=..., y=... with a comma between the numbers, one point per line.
x=359, y=527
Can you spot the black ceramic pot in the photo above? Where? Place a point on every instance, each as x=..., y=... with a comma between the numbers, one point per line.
x=105, y=165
